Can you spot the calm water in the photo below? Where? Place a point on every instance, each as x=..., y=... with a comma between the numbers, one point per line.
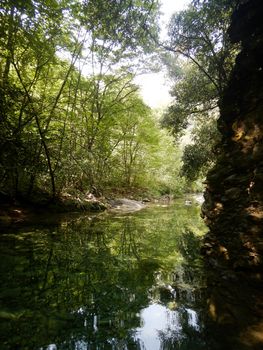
x=111, y=281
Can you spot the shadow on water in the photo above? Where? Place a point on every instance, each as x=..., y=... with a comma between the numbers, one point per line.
x=131, y=281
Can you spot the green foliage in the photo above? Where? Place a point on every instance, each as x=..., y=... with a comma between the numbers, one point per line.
x=126, y=23
x=200, y=34
x=199, y=57
x=71, y=117
x=199, y=157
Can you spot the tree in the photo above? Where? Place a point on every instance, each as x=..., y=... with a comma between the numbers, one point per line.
x=43, y=95
x=200, y=35
x=198, y=41
x=198, y=156
x=194, y=99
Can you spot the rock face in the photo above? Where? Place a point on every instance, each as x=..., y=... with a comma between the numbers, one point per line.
x=233, y=207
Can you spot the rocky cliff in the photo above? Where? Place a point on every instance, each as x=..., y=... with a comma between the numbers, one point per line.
x=234, y=195
x=233, y=207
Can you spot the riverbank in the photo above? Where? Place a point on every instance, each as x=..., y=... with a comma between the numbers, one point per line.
x=24, y=210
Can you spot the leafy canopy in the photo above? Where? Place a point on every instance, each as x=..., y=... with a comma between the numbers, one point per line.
x=199, y=57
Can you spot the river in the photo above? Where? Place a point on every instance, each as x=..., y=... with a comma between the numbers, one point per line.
x=106, y=281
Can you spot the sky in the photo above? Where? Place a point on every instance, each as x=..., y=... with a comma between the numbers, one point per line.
x=154, y=86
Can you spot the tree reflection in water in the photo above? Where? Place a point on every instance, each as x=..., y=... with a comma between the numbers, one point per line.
x=107, y=282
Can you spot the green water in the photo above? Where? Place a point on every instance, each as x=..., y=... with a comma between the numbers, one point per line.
x=110, y=281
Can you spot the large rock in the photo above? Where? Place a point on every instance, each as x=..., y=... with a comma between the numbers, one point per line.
x=233, y=205
x=234, y=186
x=125, y=205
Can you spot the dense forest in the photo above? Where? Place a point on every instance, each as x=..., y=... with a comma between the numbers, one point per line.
x=72, y=118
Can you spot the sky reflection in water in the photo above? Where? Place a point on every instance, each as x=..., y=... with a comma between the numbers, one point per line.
x=125, y=282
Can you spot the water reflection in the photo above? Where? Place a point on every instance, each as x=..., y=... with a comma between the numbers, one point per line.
x=123, y=282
